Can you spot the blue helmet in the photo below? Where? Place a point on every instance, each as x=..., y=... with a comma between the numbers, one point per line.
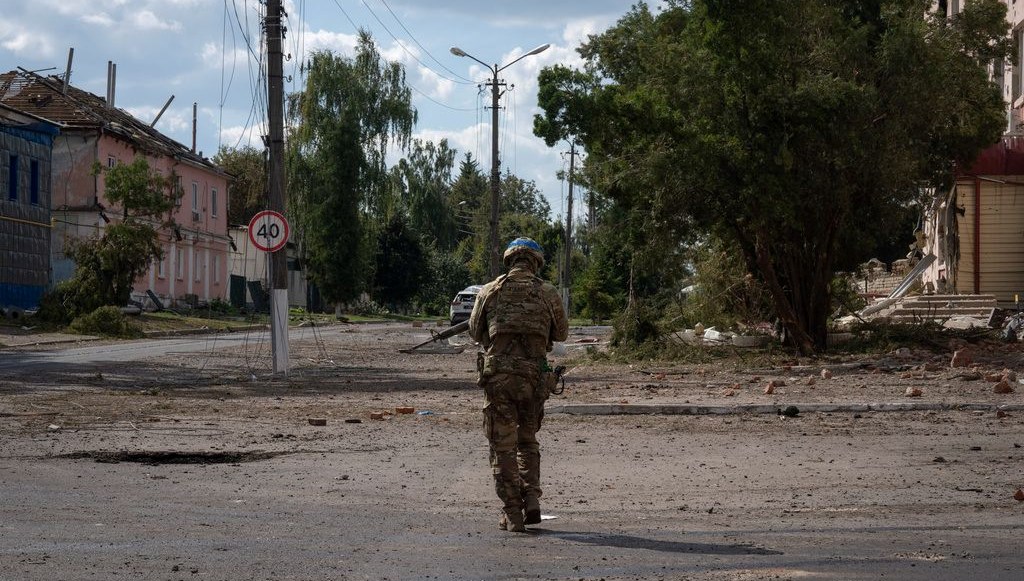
x=523, y=245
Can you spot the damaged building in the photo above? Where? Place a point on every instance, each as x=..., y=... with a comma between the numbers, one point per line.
x=94, y=133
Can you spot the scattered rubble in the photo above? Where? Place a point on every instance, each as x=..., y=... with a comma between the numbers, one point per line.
x=962, y=358
x=1002, y=387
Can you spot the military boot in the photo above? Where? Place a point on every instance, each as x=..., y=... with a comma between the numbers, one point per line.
x=531, y=506
x=512, y=521
x=529, y=473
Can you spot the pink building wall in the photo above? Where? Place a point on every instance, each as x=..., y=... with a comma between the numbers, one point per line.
x=195, y=255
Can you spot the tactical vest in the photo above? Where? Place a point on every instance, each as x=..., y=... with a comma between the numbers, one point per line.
x=519, y=308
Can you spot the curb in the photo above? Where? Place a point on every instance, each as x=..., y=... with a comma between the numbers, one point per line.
x=202, y=331
x=707, y=409
x=35, y=343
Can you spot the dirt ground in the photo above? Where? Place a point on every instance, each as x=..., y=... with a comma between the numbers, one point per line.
x=356, y=374
x=358, y=369
x=950, y=457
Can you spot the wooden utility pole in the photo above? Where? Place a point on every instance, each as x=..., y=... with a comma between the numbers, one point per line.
x=275, y=117
x=566, y=278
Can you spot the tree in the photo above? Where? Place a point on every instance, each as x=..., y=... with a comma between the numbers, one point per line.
x=424, y=181
x=343, y=122
x=248, y=170
x=469, y=194
x=519, y=196
x=401, y=264
x=107, y=266
x=786, y=126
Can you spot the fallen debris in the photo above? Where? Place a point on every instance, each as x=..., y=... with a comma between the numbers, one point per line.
x=1002, y=387
x=790, y=411
x=962, y=358
x=317, y=421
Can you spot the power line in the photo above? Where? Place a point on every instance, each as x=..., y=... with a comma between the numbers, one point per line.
x=467, y=81
x=409, y=52
x=256, y=75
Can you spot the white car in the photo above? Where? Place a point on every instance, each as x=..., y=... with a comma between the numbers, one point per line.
x=462, y=304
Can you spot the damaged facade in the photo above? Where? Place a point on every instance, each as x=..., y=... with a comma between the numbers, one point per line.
x=976, y=229
x=26, y=146
x=94, y=133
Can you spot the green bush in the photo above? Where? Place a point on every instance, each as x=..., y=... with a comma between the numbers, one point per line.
x=636, y=326
x=726, y=295
x=221, y=307
x=106, y=321
x=68, y=300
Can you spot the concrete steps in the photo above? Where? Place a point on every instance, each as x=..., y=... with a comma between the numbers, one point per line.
x=941, y=308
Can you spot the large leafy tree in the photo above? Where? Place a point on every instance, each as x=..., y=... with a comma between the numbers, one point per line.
x=401, y=264
x=786, y=127
x=350, y=112
x=424, y=181
x=469, y=197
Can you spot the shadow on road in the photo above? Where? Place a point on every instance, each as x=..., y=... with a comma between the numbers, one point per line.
x=631, y=542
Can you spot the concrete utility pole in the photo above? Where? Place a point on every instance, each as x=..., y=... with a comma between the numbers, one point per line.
x=566, y=278
x=495, y=244
x=275, y=115
x=495, y=83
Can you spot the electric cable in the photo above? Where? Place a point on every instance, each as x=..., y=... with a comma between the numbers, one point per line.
x=399, y=21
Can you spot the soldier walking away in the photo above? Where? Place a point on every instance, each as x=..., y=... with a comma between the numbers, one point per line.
x=516, y=318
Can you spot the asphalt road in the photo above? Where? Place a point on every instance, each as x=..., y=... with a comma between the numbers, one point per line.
x=226, y=483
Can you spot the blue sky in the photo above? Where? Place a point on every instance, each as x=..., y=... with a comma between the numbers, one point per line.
x=203, y=51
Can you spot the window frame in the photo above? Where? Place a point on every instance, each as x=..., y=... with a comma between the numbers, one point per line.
x=33, y=182
x=13, y=163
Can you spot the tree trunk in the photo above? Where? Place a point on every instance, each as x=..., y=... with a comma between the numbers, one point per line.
x=784, y=302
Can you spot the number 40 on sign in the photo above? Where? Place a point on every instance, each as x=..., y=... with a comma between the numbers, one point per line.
x=268, y=231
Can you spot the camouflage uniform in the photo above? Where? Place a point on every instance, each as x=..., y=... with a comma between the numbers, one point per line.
x=516, y=318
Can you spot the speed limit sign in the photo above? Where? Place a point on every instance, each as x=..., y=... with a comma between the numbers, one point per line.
x=268, y=231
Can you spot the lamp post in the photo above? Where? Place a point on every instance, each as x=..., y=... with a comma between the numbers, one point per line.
x=495, y=252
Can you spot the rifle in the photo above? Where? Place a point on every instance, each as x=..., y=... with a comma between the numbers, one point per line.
x=449, y=332
x=559, y=372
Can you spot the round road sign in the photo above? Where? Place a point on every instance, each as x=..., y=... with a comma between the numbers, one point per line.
x=268, y=231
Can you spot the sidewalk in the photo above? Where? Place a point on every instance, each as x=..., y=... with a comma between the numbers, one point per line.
x=10, y=337
x=791, y=409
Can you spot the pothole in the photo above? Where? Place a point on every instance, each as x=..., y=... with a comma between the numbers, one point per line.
x=173, y=457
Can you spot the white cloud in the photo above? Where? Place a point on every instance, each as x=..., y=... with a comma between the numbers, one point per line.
x=577, y=31
x=327, y=40
x=433, y=85
x=212, y=57
x=26, y=42
x=102, y=19
x=399, y=53
x=77, y=7
x=241, y=136
x=147, y=20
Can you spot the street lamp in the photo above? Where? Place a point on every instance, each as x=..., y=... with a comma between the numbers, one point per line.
x=495, y=262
